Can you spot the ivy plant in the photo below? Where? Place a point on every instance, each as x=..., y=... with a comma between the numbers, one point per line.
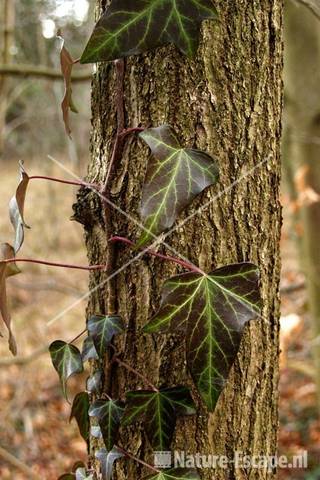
x=212, y=309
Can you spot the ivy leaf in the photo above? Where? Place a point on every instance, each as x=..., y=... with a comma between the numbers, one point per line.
x=94, y=382
x=81, y=474
x=174, y=177
x=108, y=414
x=160, y=409
x=66, y=359
x=79, y=411
x=67, y=476
x=213, y=309
x=129, y=28
x=89, y=351
x=16, y=209
x=107, y=460
x=102, y=329
x=67, y=63
x=7, y=270
x=175, y=474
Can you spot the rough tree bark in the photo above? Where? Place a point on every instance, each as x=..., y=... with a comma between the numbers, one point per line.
x=227, y=102
x=302, y=75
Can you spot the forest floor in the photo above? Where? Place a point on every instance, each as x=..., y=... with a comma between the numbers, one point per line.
x=34, y=417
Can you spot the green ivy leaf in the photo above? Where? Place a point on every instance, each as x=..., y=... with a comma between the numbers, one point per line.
x=213, y=309
x=175, y=474
x=66, y=359
x=79, y=411
x=89, y=351
x=16, y=209
x=94, y=382
x=81, y=474
x=160, y=410
x=107, y=460
x=7, y=270
x=102, y=329
x=129, y=28
x=174, y=177
x=67, y=476
x=108, y=414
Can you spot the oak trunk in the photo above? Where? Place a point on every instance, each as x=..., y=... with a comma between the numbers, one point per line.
x=227, y=102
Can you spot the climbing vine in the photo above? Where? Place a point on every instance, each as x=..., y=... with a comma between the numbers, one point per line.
x=211, y=308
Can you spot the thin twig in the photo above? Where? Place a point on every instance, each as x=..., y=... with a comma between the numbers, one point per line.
x=167, y=258
x=8, y=361
x=9, y=458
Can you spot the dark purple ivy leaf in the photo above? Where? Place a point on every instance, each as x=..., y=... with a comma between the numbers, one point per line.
x=128, y=28
x=66, y=359
x=79, y=411
x=213, y=309
x=107, y=460
x=160, y=409
x=102, y=329
x=108, y=414
x=94, y=382
x=175, y=176
x=89, y=351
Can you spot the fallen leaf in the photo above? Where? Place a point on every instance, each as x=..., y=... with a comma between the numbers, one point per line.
x=16, y=209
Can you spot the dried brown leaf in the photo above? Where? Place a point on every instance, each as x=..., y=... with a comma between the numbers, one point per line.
x=16, y=209
x=7, y=270
x=67, y=63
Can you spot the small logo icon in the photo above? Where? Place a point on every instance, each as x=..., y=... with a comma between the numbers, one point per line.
x=162, y=459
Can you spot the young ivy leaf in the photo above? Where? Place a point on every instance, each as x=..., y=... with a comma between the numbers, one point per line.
x=108, y=414
x=129, y=28
x=79, y=411
x=102, y=329
x=66, y=359
x=175, y=474
x=174, y=177
x=7, y=270
x=107, y=460
x=89, y=351
x=67, y=63
x=213, y=309
x=16, y=209
x=160, y=410
x=94, y=382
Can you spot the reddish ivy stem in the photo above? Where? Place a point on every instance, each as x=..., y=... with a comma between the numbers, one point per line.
x=135, y=372
x=78, y=336
x=133, y=457
x=67, y=182
x=167, y=258
x=54, y=264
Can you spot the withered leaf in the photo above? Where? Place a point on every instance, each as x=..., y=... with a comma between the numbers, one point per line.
x=7, y=270
x=66, y=62
x=16, y=209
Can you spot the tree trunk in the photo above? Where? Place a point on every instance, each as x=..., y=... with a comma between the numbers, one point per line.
x=302, y=76
x=227, y=102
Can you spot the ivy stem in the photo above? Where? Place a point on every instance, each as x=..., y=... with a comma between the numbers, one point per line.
x=78, y=336
x=129, y=131
x=67, y=182
x=54, y=264
x=133, y=457
x=167, y=258
x=133, y=370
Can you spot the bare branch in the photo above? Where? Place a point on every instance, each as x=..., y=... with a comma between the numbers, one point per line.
x=22, y=70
